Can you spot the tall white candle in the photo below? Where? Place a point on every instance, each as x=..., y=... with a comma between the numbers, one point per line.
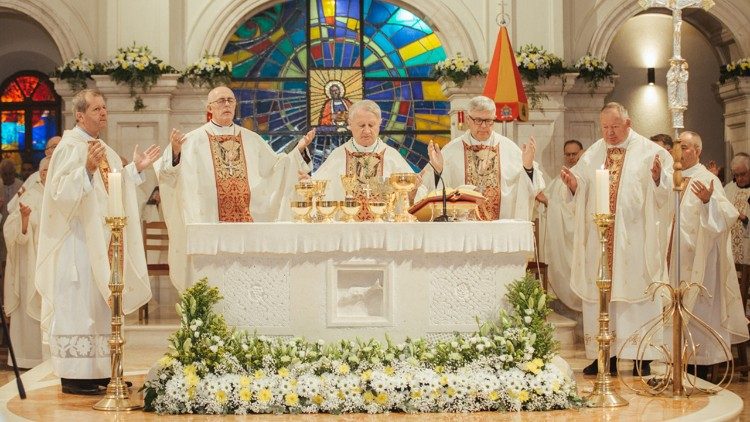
x=115, y=195
x=602, y=191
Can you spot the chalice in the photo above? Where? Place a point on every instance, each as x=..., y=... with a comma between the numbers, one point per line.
x=327, y=209
x=301, y=211
x=377, y=208
x=349, y=183
x=403, y=183
x=350, y=208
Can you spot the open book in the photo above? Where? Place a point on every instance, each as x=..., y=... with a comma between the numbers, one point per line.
x=458, y=200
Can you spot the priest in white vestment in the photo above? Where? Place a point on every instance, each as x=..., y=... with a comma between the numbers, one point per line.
x=222, y=172
x=556, y=230
x=505, y=174
x=706, y=258
x=738, y=193
x=73, y=260
x=22, y=302
x=34, y=177
x=365, y=156
x=640, y=185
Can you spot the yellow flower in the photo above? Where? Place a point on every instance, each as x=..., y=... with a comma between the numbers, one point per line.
x=192, y=380
x=523, y=395
x=264, y=395
x=389, y=370
x=450, y=391
x=318, y=399
x=190, y=369
x=259, y=374
x=368, y=397
x=443, y=380
x=367, y=375
x=439, y=369
x=125, y=65
x=555, y=386
x=416, y=394
x=343, y=369
x=245, y=394
x=139, y=66
x=283, y=372
x=538, y=362
x=221, y=396
x=291, y=399
x=435, y=393
x=381, y=398
x=244, y=381
x=531, y=66
x=166, y=361
x=191, y=392
x=494, y=395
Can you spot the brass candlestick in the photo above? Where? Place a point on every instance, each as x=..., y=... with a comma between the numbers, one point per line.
x=117, y=397
x=603, y=394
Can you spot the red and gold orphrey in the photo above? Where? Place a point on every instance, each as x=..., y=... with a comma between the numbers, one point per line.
x=482, y=169
x=230, y=173
x=363, y=166
x=613, y=162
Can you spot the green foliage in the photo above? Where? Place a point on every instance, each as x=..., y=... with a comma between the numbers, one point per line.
x=734, y=70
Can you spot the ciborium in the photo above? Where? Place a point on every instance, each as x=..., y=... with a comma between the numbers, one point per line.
x=350, y=208
x=327, y=209
x=349, y=183
x=403, y=183
x=301, y=211
x=305, y=189
x=377, y=208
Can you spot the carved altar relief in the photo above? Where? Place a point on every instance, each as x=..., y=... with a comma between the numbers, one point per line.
x=360, y=293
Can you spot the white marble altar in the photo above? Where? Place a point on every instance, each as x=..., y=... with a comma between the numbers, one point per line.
x=343, y=280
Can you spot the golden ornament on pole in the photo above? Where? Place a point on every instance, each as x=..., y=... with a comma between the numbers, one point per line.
x=117, y=397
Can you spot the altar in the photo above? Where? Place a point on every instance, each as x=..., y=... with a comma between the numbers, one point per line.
x=347, y=280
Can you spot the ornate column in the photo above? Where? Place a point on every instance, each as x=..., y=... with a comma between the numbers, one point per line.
x=459, y=98
x=735, y=94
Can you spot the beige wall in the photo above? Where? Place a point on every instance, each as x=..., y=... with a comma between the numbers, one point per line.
x=25, y=46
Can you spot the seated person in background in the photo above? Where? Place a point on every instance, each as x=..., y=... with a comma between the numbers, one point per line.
x=504, y=173
x=365, y=156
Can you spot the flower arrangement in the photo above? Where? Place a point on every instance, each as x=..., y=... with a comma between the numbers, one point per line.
x=457, y=69
x=505, y=365
x=735, y=69
x=76, y=71
x=536, y=63
x=209, y=71
x=594, y=70
x=136, y=66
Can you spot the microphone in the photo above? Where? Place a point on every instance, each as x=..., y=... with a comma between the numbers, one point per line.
x=443, y=218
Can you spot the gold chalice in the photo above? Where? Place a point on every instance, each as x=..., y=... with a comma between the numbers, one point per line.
x=377, y=209
x=349, y=183
x=301, y=211
x=403, y=183
x=305, y=189
x=320, y=187
x=327, y=209
x=350, y=208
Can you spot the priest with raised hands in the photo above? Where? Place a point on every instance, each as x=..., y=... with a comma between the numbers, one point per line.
x=22, y=302
x=222, y=172
x=505, y=174
x=640, y=183
x=364, y=156
x=73, y=260
x=705, y=252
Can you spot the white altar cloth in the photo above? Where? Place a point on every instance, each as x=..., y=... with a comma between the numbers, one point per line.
x=342, y=280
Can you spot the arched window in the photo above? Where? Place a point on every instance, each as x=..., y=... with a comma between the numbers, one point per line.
x=300, y=63
x=30, y=111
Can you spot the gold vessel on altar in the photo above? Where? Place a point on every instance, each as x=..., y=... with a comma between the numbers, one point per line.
x=350, y=208
x=301, y=211
x=402, y=183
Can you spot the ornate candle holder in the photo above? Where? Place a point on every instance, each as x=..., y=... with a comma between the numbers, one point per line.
x=117, y=397
x=403, y=183
x=603, y=394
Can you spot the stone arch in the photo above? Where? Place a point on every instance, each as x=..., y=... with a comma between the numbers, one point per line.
x=59, y=20
x=219, y=23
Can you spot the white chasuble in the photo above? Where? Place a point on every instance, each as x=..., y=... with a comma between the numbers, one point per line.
x=22, y=302
x=637, y=252
x=706, y=259
x=73, y=267
x=225, y=173
x=494, y=166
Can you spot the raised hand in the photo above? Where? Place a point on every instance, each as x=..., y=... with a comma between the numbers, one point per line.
x=145, y=158
x=306, y=140
x=656, y=169
x=436, y=157
x=701, y=191
x=176, y=139
x=713, y=168
x=528, y=151
x=25, y=212
x=302, y=175
x=94, y=156
x=569, y=179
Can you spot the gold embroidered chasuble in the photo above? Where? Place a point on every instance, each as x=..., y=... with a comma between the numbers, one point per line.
x=482, y=169
x=737, y=231
x=363, y=166
x=230, y=174
x=613, y=162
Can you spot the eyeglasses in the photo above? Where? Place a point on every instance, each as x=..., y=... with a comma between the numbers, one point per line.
x=482, y=122
x=224, y=101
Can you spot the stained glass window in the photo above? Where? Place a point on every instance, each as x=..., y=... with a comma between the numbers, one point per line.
x=301, y=63
x=29, y=115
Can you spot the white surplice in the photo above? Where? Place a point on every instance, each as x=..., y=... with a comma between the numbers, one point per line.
x=706, y=258
x=638, y=251
x=188, y=190
x=335, y=166
x=739, y=233
x=517, y=189
x=556, y=228
x=22, y=302
x=73, y=269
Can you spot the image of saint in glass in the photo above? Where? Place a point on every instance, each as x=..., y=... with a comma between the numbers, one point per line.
x=336, y=108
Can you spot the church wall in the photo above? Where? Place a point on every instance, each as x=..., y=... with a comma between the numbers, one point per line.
x=633, y=51
x=25, y=45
